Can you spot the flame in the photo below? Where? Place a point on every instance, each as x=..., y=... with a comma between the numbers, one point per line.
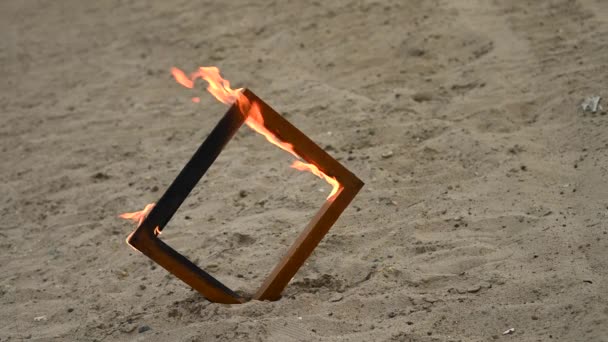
x=138, y=216
x=221, y=90
x=218, y=87
x=181, y=78
x=255, y=121
x=299, y=165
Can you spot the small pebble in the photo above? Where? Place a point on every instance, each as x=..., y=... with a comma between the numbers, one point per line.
x=128, y=328
x=387, y=154
x=143, y=329
x=100, y=176
x=336, y=298
x=509, y=331
x=474, y=289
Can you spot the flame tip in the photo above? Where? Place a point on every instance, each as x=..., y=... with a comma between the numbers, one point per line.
x=138, y=216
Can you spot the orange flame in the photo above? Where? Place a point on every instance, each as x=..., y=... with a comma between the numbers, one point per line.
x=138, y=216
x=299, y=165
x=220, y=89
x=255, y=121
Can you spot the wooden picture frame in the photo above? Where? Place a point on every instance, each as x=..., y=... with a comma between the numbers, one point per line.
x=145, y=237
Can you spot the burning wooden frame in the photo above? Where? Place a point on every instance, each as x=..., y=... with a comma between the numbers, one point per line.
x=145, y=237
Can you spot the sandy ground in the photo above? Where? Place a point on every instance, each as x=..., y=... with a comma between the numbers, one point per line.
x=487, y=212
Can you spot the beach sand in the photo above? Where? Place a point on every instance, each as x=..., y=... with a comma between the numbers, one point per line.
x=485, y=201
